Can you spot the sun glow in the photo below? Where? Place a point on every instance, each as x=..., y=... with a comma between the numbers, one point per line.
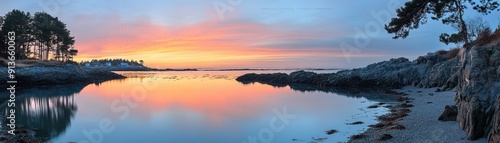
x=202, y=45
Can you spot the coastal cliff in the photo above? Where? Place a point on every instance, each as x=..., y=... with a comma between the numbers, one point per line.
x=478, y=92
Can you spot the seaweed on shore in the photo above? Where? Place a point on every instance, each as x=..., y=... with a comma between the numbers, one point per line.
x=330, y=132
x=355, y=123
x=358, y=136
x=384, y=137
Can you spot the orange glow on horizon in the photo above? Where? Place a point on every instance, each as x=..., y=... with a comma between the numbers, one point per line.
x=202, y=45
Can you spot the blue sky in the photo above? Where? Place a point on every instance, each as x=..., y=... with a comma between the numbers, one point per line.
x=257, y=33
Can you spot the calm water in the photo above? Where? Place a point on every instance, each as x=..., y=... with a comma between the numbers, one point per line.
x=193, y=107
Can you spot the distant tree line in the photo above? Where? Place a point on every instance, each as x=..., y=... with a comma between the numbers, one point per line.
x=113, y=62
x=39, y=36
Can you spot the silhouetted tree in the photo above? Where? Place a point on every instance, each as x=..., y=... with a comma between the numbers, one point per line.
x=62, y=41
x=44, y=32
x=72, y=53
x=450, y=12
x=37, y=35
x=18, y=22
x=474, y=27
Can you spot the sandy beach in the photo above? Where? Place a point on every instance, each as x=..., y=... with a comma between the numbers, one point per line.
x=422, y=124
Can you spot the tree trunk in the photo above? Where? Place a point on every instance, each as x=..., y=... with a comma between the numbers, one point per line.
x=40, y=49
x=47, y=52
x=463, y=26
x=34, y=50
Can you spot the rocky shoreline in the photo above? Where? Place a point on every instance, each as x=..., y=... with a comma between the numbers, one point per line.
x=427, y=71
x=59, y=74
x=473, y=71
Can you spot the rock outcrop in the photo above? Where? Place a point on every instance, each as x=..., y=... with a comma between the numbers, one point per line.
x=478, y=92
x=427, y=71
x=57, y=75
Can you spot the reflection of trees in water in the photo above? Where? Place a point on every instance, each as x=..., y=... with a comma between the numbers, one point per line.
x=47, y=109
x=50, y=114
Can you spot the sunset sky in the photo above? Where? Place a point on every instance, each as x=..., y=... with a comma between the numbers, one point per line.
x=249, y=34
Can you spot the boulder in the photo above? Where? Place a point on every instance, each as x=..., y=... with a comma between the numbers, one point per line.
x=449, y=113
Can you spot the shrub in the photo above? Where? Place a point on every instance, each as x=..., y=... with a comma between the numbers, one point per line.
x=441, y=52
x=444, y=54
x=453, y=53
x=483, y=37
x=495, y=37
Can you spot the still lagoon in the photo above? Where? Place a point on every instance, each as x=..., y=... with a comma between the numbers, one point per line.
x=194, y=107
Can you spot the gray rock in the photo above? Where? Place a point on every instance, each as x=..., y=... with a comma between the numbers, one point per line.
x=275, y=79
x=426, y=71
x=478, y=93
x=441, y=74
x=493, y=60
x=449, y=113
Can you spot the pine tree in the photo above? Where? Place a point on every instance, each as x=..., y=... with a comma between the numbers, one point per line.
x=19, y=22
x=450, y=12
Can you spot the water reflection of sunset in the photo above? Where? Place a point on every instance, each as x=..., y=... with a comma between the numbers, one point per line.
x=211, y=97
x=205, y=104
x=193, y=94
